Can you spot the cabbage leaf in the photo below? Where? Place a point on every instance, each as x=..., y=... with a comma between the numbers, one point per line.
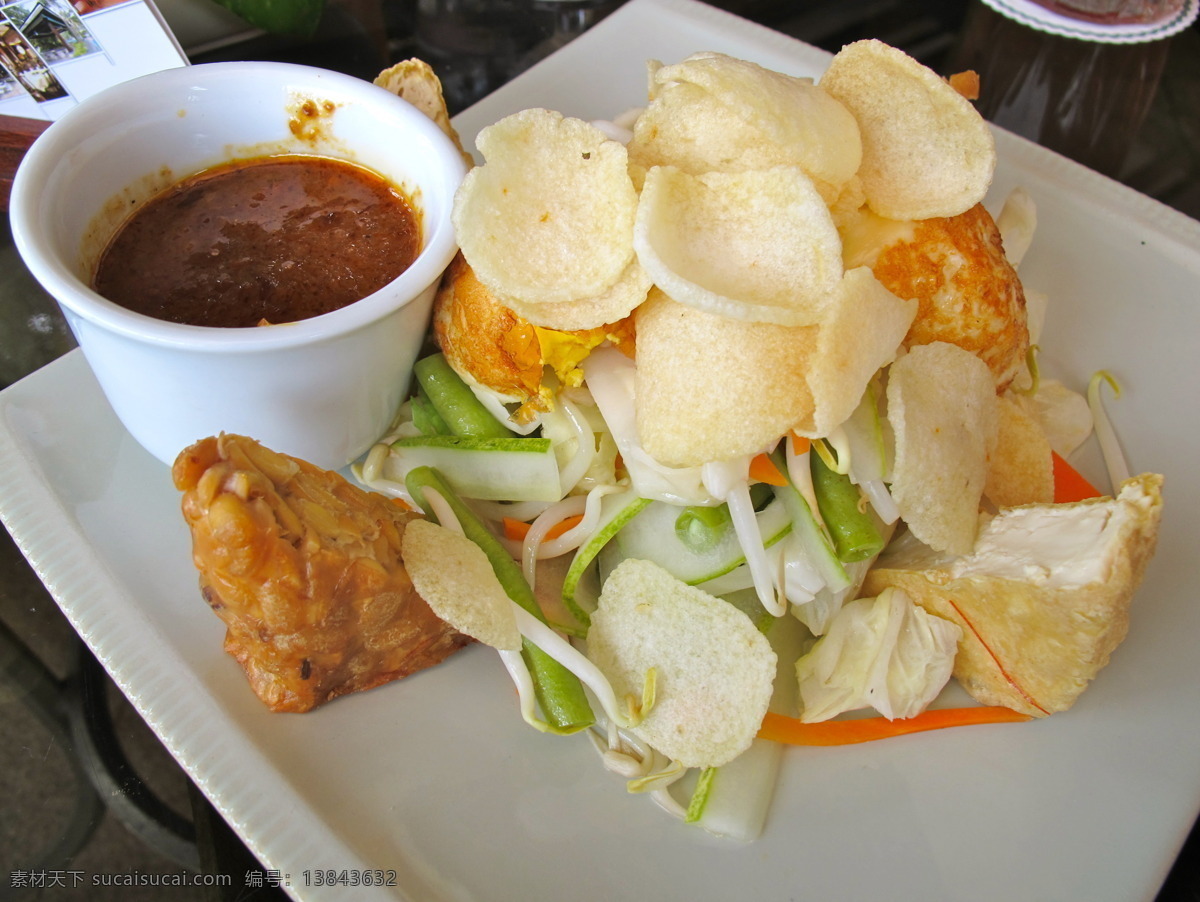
x=884, y=653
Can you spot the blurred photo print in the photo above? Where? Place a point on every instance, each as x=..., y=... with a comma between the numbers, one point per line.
x=56, y=53
x=25, y=65
x=52, y=27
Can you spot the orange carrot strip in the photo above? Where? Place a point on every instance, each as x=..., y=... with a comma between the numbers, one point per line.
x=516, y=530
x=799, y=443
x=763, y=469
x=781, y=728
x=966, y=83
x=1069, y=485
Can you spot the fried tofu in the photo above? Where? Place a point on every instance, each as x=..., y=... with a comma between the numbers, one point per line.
x=968, y=292
x=1043, y=598
x=483, y=339
x=492, y=346
x=305, y=570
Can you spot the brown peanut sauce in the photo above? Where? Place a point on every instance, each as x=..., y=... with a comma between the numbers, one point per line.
x=268, y=240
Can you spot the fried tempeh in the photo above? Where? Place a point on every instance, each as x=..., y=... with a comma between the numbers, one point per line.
x=306, y=572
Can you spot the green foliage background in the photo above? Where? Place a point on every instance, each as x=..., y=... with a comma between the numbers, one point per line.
x=299, y=17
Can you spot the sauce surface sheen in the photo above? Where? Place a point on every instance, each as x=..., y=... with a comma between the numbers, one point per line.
x=270, y=240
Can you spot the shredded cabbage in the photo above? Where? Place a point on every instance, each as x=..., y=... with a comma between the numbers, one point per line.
x=1063, y=414
x=884, y=653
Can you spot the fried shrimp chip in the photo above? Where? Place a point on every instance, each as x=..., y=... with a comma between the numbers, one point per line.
x=710, y=388
x=713, y=112
x=942, y=409
x=456, y=579
x=712, y=668
x=690, y=129
x=862, y=334
x=549, y=217
x=415, y=81
x=926, y=150
x=1020, y=470
x=758, y=246
x=590, y=313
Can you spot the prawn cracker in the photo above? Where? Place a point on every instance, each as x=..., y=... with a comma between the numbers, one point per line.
x=1021, y=469
x=457, y=581
x=926, y=150
x=710, y=388
x=942, y=410
x=548, y=218
x=862, y=334
x=713, y=112
x=713, y=670
x=758, y=246
x=415, y=81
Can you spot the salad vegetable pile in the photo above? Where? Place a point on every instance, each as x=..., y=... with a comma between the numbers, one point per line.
x=683, y=410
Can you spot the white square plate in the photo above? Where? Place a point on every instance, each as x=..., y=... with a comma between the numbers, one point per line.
x=437, y=780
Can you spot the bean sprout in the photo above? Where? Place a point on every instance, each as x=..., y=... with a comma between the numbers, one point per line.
x=546, y=521
x=442, y=511
x=623, y=753
x=520, y=510
x=582, y=531
x=384, y=486
x=666, y=801
x=1110, y=445
x=585, y=451
x=545, y=638
x=839, y=443
x=644, y=769
x=514, y=663
x=535, y=547
x=495, y=405
x=800, y=474
x=881, y=500
x=372, y=467
x=728, y=481
x=664, y=773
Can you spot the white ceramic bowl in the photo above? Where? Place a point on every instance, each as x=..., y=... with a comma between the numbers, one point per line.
x=322, y=389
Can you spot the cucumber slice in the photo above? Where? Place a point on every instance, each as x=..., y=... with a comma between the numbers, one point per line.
x=732, y=800
x=616, y=511
x=652, y=537
x=864, y=436
x=815, y=542
x=489, y=469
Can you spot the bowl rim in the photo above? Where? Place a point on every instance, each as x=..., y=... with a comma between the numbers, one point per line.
x=30, y=227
